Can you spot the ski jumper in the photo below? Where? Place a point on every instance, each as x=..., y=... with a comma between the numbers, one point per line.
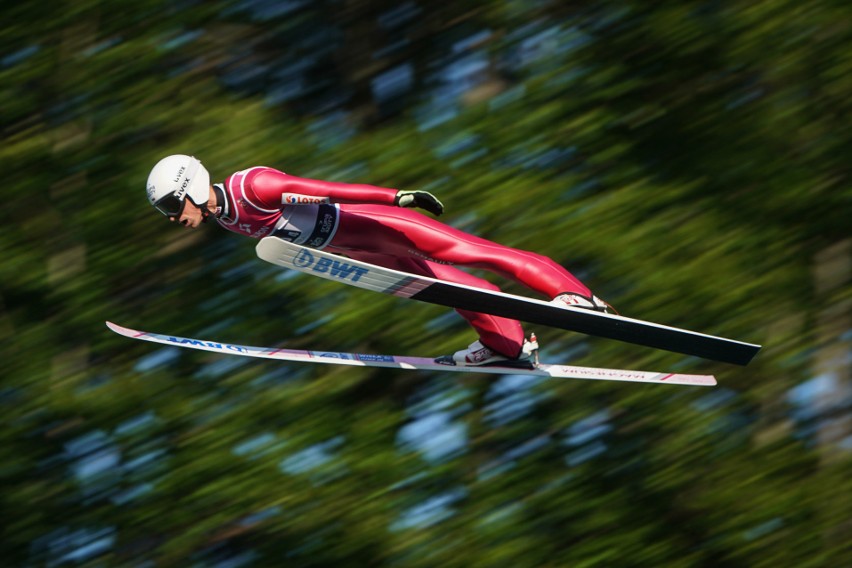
x=361, y=222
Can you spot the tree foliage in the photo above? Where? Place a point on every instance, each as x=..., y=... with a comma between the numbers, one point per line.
x=688, y=160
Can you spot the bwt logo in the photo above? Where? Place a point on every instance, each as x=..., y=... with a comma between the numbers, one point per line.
x=332, y=267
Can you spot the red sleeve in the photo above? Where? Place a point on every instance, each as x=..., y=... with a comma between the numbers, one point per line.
x=273, y=189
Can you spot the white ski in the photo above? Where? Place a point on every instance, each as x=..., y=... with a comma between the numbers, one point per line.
x=411, y=363
x=425, y=289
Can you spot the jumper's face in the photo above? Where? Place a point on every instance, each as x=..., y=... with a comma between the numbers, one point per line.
x=190, y=217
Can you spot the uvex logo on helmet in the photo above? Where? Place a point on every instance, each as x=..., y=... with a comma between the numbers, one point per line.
x=181, y=191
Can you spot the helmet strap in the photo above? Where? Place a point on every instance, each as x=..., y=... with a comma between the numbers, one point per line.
x=221, y=204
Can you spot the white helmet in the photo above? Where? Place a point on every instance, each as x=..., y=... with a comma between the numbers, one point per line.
x=173, y=179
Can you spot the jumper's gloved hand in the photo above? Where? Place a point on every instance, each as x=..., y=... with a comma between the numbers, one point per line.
x=421, y=199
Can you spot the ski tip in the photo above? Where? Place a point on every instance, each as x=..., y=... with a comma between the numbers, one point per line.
x=117, y=328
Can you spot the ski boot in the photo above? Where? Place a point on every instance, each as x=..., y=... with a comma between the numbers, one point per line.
x=478, y=355
x=574, y=300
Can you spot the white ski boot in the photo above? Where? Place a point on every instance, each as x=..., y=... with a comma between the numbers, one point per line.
x=478, y=355
x=573, y=300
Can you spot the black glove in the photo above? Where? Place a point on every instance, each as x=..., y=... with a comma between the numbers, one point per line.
x=421, y=199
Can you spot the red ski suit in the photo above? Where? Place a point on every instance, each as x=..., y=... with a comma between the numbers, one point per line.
x=361, y=222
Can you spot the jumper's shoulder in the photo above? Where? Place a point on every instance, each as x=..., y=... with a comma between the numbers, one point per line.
x=262, y=186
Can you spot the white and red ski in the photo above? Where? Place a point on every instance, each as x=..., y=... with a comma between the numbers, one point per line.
x=379, y=279
x=412, y=363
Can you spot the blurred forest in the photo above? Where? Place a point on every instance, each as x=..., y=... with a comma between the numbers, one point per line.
x=688, y=160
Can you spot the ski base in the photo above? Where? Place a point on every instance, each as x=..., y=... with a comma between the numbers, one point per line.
x=412, y=363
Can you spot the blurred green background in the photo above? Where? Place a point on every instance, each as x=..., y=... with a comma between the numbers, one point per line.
x=688, y=160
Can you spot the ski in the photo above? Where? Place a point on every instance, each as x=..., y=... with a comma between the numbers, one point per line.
x=411, y=363
x=376, y=278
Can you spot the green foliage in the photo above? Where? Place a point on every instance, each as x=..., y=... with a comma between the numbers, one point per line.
x=687, y=160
